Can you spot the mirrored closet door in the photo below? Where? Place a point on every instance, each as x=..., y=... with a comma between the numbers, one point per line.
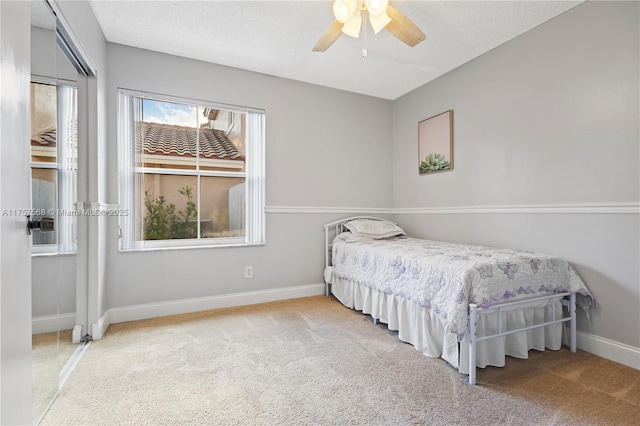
x=53, y=216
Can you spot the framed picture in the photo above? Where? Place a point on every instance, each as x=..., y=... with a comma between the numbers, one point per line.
x=435, y=143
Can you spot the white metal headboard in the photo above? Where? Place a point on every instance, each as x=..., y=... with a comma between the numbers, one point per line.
x=331, y=230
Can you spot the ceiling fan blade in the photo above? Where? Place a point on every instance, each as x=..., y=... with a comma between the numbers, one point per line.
x=403, y=28
x=328, y=37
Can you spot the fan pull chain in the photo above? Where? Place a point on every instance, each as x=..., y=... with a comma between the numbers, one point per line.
x=364, y=30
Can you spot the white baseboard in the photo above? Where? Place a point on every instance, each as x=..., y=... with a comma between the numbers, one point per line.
x=77, y=336
x=51, y=323
x=99, y=328
x=154, y=310
x=609, y=349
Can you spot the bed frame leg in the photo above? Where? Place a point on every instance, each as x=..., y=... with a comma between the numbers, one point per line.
x=473, y=322
x=572, y=323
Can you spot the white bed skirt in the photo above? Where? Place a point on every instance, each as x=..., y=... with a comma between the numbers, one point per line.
x=422, y=328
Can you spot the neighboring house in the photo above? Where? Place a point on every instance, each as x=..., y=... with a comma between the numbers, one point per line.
x=167, y=146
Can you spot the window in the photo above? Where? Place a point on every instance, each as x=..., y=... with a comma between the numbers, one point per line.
x=191, y=173
x=54, y=164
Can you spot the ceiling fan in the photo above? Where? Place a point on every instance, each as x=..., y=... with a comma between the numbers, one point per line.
x=351, y=16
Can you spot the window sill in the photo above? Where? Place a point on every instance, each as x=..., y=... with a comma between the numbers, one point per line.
x=190, y=247
x=50, y=254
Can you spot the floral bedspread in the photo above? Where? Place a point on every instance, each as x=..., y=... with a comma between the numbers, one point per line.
x=446, y=277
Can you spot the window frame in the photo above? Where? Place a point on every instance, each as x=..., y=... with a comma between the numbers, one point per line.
x=130, y=198
x=66, y=243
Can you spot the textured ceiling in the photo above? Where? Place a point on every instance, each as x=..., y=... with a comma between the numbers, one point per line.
x=276, y=37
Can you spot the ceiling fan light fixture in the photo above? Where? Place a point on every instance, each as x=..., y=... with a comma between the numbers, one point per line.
x=343, y=9
x=353, y=24
x=379, y=22
x=377, y=7
x=351, y=16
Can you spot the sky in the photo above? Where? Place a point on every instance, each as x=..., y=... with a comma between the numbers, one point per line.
x=169, y=113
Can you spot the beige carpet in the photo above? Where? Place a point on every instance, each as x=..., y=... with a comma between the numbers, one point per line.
x=312, y=361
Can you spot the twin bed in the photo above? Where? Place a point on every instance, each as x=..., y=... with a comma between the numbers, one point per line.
x=470, y=305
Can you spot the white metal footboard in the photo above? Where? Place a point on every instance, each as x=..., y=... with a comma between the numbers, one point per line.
x=474, y=310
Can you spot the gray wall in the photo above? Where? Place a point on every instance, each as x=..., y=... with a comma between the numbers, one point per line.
x=324, y=149
x=46, y=59
x=547, y=119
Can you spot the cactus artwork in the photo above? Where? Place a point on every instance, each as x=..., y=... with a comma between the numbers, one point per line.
x=434, y=162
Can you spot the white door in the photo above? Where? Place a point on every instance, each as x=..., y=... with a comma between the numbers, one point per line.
x=15, y=258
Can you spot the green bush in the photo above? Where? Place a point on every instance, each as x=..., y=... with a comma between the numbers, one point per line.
x=161, y=222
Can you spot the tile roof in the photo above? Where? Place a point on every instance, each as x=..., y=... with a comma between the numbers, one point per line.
x=46, y=137
x=167, y=139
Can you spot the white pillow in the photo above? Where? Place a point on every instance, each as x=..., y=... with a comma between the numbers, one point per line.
x=376, y=229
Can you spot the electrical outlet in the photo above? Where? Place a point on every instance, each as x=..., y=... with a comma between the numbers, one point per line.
x=248, y=271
